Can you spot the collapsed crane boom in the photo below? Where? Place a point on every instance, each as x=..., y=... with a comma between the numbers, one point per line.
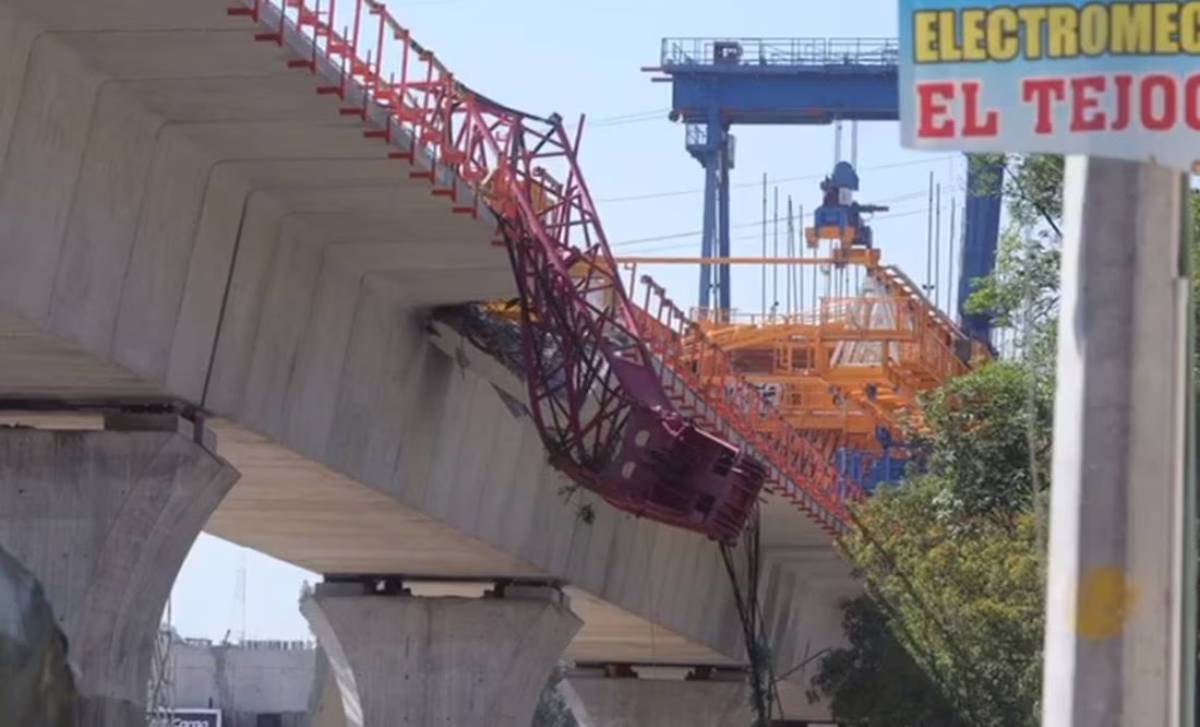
x=595, y=393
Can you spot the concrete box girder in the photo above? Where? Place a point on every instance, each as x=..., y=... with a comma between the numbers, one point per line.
x=179, y=54
x=277, y=271
x=99, y=16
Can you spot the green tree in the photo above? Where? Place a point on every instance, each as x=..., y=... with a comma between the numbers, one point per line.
x=952, y=563
x=988, y=442
x=875, y=681
x=953, y=559
x=1022, y=291
x=1025, y=279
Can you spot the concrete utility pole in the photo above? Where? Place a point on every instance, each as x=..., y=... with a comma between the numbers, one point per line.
x=1120, y=626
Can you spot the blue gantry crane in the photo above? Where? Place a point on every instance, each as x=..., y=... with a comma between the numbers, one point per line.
x=719, y=82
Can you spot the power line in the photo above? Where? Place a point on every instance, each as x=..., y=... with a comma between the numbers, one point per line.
x=756, y=223
x=781, y=180
x=631, y=114
x=629, y=119
x=622, y=119
x=647, y=251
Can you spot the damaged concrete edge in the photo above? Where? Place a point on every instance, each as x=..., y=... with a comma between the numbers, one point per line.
x=483, y=364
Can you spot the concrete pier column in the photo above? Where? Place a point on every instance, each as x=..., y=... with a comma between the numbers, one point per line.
x=324, y=701
x=104, y=520
x=405, y=660
x=670, y=702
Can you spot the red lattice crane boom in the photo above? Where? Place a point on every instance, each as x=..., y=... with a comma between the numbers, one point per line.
x=595, y=390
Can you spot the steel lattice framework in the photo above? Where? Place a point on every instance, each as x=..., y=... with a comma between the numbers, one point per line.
x=594, y=387
x=702, y=376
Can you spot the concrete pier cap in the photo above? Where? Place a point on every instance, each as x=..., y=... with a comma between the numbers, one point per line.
x=104, y=520
x=405, y=659
x=640, y=696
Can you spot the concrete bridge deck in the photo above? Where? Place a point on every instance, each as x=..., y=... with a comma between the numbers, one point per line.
x=183, y=218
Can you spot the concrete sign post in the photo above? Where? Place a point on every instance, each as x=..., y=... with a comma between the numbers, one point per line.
x=1118, y=605
x=1120, y=82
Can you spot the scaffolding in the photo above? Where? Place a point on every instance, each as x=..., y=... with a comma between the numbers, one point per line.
x=848, y=374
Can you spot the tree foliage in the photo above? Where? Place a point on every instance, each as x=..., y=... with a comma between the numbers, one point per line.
x=1026, y=273
x=953, y=558
x=967, y=606
x=980, y=430
x=1034, y=192
x=952, y=564
x=1031, y=185
x=1025, y=282
x=1022, y=291
x=875, y=681
x=950, y=631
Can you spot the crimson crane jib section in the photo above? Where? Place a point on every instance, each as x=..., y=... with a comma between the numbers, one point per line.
x=595, y=394
x=719, y=82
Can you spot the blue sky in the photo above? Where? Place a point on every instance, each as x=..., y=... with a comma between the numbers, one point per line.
x=585, y=56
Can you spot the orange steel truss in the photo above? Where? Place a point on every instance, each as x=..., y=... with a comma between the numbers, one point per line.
x=843, y=372
x=701, y=378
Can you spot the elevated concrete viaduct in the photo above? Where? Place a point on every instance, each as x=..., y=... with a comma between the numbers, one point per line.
x=184, y=220
x=104, y=519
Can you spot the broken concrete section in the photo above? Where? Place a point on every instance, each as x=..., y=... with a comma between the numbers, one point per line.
x=400, y=659
x=104, y=520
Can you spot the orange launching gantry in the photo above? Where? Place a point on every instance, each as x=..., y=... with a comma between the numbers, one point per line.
x=847, y=373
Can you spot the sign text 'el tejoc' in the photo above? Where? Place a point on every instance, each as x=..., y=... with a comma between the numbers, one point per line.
x=1117, y=79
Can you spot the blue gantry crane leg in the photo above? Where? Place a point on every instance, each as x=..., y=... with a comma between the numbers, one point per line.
x=720, y=82
x=985, y=177
x=712, y=145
